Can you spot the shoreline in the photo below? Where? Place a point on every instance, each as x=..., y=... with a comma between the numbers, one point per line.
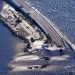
x=6, y=48
x=13, y=32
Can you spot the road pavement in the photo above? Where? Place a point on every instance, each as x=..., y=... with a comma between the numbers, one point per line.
x=46, y=24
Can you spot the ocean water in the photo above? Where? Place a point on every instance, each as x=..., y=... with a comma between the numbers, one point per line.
x=8, y=44
x=60, y=12
x=7, y=51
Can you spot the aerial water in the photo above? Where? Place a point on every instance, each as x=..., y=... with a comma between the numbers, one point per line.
x=1, y=5
x=7, y=47
x=60, y=12
x=6, y=51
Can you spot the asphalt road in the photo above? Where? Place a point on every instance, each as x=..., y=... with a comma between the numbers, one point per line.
x=46, y=24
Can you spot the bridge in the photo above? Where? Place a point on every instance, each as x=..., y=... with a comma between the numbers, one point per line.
x=41, y=21
x=44, y=23
x=22, y=60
